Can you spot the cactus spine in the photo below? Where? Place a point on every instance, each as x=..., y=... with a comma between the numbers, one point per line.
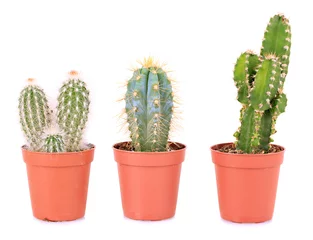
x=54, y=143
x=73, y=109
x=149, y=107
x=34, y=114
x=260, y=81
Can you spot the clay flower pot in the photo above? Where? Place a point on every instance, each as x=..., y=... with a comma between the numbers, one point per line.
x=149, y=182
x=58, y=183
x=246, y=184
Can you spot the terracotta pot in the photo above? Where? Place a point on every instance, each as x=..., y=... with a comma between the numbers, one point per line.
x=58, y=183
x=246, y=184
x=149, y=182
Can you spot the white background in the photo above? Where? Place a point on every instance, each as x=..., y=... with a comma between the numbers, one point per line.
x=200, y=41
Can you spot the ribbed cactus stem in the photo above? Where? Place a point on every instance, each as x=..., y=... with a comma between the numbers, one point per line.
x=149, y=107
x=277, y=39
x=54, y=143
x=248, y=137
x=266, y=83
x=73, y=109
x=34, y=114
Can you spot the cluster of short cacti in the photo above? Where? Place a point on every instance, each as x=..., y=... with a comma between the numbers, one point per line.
x=260, y=80
x=149, y=107
x=72, y=114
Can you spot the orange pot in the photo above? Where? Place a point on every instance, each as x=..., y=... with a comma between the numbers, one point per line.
x=246, y=184
x=149, y=182
x=58, y=183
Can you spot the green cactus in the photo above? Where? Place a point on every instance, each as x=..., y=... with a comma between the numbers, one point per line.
x=34, y=114
x=260, y=81
x=72, y=115
x=149, y=107
x=54, y=143
x=73, y=109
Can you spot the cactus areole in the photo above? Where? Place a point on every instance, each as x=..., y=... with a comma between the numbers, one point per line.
x=260, y=81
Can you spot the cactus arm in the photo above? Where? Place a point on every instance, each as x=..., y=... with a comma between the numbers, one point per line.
x=266, y=84
x=241, y=78
x=34, y=114
x=277, y=39
x=54, y=143
x=279, y=104
x=73, y=109
x=244, y=72
x=247, y=131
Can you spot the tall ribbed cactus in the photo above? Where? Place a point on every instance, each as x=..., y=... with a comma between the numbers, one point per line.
x=34, y=114
x=149, y=107
x=260, y=81
x=73, y=109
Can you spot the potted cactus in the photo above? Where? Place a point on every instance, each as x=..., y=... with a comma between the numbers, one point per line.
x=247, y=171
x=149, y=165
x=58, y=162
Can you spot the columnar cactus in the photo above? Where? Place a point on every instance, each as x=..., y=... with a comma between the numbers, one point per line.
x=149, y=107
x=73, y=109
x=260, y=81
x=34, y=114
x=54, y=143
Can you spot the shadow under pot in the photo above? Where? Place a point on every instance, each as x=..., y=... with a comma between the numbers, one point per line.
x=246, y=184
x=58, y=183
x=149, y=181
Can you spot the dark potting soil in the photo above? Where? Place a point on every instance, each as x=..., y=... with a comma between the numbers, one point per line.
x=127, y=146
x=230, y=148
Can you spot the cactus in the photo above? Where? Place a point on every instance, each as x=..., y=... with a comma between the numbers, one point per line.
x=34, y=114
x=54, y=143
x=44, y=131
x=149, y=107
x=73, y=109
x=260, y=81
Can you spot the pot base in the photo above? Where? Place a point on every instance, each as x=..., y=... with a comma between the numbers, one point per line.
x=58, y=219
x=246, y=219
x=138, y=216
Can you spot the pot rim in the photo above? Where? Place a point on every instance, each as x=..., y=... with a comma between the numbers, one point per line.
x=246, y=154
x=59, y=160
x=59, y=153
x=247, y=160
x=149, y=153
